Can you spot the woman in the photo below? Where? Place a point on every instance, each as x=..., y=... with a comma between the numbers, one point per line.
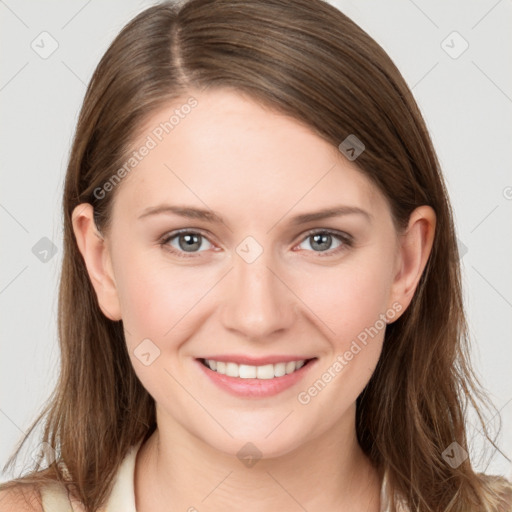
x=260, y=302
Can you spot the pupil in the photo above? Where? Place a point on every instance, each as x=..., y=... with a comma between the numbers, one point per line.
x=321, y=241
x=189, y=243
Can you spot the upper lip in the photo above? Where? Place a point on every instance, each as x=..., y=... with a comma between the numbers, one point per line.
x=256, y=361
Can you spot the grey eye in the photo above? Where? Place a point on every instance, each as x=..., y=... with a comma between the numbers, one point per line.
x=321, y=242
x=189, y=242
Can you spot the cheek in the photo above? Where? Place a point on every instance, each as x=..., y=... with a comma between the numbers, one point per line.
x=162, y=306
x=348, y=298
x=157, y=297
x=352, y=303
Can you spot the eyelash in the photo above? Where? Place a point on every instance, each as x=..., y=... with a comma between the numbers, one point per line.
x=345, y=239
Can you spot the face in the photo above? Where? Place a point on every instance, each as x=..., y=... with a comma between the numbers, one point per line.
x=294, y=258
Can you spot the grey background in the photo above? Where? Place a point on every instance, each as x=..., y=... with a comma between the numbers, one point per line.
x=465, y=99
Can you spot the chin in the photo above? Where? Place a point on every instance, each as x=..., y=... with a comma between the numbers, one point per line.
x=263, y=441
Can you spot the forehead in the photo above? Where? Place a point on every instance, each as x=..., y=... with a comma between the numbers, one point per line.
x=231, y=153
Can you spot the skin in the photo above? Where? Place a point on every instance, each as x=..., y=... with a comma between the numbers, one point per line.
x=257, y=169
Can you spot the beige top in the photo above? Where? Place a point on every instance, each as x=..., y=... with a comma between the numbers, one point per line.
x=122, y=498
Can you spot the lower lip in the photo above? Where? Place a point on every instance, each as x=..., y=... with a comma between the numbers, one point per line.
x=255, y=388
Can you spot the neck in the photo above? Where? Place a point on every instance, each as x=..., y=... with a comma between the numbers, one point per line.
x=176, y=471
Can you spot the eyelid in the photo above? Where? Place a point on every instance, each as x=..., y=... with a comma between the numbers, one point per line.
x=175, y=232
x=346, y=237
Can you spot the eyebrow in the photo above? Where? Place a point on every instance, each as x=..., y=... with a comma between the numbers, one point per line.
x=182, y=211
x=212, y=217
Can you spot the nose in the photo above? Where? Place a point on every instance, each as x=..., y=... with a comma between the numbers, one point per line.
x=258, y=304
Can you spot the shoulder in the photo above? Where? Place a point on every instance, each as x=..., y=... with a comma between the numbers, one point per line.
x=50, y=496
x=20, y=498
x=498, y=490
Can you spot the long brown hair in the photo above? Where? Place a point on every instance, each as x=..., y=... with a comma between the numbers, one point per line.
x=306, y=59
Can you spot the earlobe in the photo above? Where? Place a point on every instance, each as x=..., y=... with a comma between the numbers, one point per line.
x=95, y=253
x=415, y=245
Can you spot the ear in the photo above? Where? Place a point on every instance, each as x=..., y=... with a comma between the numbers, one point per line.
x=414, y=246
x=95, y=252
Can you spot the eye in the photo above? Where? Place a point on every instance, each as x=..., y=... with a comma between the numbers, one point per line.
x=326, y=241
x=185, y=242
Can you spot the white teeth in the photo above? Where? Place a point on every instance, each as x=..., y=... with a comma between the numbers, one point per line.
x=245, y=371
x=280, y=369
x=290, y=367
x=232, y=370
x=265, y=372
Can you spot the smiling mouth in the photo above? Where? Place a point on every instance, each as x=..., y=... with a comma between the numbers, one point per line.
x=245, y=371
